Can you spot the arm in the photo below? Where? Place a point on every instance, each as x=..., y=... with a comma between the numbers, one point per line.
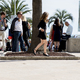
x=13, y=25
x=6, y=26
x=5, y=23
x=29, y=25
x=40, y=26
x=51, y=32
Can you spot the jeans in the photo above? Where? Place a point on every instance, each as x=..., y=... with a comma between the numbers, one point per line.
x=28, y=32
x=17, y=37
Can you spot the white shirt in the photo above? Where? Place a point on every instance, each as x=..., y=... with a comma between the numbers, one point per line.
x=69, y=30
x=18, y=26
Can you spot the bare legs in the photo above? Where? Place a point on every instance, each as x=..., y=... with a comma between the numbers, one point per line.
x=51, y=45
x=40, y=44
x=57, y=44
x=45, y=45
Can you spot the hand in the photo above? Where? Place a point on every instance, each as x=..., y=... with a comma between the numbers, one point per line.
x=42, y=30
x=29, y=27
x=4, y=20
x=64, y=33
x=49, y=36
x=21, y=34
x=62, y=25
x=47, y=20
x=19, y=20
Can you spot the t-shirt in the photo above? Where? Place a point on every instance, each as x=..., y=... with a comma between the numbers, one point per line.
x=18, y=26
x=69, y=30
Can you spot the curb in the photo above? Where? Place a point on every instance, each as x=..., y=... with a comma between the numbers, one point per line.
x=39, y=58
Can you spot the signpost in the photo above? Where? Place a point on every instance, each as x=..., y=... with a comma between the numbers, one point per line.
x=15, y=7
x=79, y=17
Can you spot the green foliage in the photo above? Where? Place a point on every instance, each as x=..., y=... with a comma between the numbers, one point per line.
x=62, y=15
x=30, y=21
x=8, y=7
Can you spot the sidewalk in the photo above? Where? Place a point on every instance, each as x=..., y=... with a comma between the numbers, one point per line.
x=40, y=70
x=1, y=53
x=76, y=54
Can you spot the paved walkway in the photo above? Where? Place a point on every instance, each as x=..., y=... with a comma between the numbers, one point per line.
x=76, y=54
x=40, y=70
x=1, y=53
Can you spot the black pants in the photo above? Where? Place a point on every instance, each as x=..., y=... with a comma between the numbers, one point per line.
x=63, y=42
x=25, y=37
x=62, y=45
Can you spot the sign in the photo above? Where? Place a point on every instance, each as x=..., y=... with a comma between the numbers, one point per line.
x=79, y=17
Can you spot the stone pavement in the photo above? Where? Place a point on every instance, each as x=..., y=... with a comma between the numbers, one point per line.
x=1, y=53
x=76, y=54
x=40, y=70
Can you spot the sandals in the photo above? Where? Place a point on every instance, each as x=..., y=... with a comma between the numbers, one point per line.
x=55, y=50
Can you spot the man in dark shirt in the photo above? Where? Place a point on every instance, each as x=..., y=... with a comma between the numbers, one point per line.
x=16, y=29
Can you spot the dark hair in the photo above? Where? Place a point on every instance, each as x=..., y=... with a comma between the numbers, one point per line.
x=44, y=15
x=66, y=22
x=57, y=22
x=19, y=12
x=3, y=13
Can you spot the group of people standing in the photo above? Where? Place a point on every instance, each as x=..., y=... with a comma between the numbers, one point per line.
x=19, y=30
x=20, y=26
x=58, y=37
x=56, y=34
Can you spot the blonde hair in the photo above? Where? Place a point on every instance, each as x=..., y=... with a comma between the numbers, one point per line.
x=24, y=18
x=44, y=15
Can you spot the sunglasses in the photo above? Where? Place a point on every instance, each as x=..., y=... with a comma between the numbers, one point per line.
x=21, y=14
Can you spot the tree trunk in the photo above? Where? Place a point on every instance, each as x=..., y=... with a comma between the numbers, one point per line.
x=37, y=11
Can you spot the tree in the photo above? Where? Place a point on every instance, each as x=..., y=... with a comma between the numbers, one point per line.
x=62, y=15
x=37, y=11
x=8, y=7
